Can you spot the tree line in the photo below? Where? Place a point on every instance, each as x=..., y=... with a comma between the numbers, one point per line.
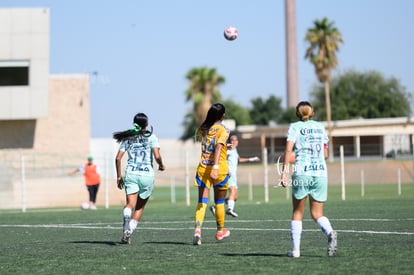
x=354, y=94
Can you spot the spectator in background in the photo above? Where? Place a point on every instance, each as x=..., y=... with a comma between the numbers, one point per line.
x=233, y=160
x=92, y=180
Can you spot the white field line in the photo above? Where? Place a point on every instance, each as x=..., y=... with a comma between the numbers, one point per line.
x=143, y=226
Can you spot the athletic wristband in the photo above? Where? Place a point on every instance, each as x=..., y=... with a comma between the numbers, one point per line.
x=215, y=167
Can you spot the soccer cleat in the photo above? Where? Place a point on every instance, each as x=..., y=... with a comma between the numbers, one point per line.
x=294, y=254
x=231, y=213
x=197, y=237
x=332, y=243
x=224, y=233
x=126, y=237
x=213, y=210
x=93, y=207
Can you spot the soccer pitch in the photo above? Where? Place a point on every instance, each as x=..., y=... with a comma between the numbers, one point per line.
x=375, y=236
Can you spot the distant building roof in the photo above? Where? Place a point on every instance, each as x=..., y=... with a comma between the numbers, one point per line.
x=352, y=127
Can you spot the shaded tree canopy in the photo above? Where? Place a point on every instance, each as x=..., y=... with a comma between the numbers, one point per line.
x=237, y=112
x=189, y=125
x=264, y=111
x=288, y=116
x=363, y=95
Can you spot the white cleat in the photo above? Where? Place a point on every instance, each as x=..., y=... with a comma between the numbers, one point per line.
x=294, y=254
x=332, y=243
x=231, y=213
x=126, y=237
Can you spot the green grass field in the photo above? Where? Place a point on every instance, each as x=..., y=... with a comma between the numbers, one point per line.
x=375, y=236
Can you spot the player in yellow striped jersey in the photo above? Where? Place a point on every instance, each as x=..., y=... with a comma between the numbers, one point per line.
x=212, y=170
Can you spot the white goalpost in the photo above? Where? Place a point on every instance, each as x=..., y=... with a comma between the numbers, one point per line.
x=341, y=150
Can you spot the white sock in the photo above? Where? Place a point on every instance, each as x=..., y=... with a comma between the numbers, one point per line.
x=295, y=233
x=133, y=224
x=127, y=212
x=325, y=225
x=127, y=217
x=230, y=204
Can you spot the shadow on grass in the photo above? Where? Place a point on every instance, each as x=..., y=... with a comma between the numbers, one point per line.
x=180, y=243
x=284, y=255
x=253, y=254
x=98, y=242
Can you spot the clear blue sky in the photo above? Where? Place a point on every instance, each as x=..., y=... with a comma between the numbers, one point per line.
x=142, y=50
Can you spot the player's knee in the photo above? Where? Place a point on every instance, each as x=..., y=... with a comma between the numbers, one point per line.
x=316, y=215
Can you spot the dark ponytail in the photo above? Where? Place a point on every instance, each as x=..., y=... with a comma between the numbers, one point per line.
x=140, y=129
x=214, y=114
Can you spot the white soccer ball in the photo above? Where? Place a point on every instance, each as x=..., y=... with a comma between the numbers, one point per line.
x=231, y=33
x=85, y=206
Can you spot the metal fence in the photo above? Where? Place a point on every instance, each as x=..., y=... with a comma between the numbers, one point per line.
x=29, y=180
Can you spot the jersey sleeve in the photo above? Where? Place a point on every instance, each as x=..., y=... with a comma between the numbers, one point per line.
x=223, y=136
x=123, y=146
x=154, y=141
x=325, y=137
x=291, y=135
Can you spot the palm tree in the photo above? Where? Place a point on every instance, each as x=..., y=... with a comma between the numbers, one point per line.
x=324, y=41
x=203, y=90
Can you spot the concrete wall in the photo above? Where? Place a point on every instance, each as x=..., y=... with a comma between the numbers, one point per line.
x=24, y=36
x=66, y=129
x=50, y=146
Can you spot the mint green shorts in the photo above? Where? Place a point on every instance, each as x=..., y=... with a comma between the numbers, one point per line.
x=143, y=185
x=233, y=181
x=317, y=187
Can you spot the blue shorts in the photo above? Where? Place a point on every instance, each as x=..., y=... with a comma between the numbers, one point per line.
x=143, y=185
x=205, y=181
x=316, y=187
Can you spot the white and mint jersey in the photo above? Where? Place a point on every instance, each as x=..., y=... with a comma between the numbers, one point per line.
x=233, y=160
x=140, y=159
x=309, y=138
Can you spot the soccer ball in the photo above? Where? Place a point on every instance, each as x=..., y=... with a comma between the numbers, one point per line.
x=85, y=206
x=231, y=33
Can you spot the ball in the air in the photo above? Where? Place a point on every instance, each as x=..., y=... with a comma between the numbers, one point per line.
x=231, y=33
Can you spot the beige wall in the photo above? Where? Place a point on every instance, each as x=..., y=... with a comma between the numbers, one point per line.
x=50, y=146
x=67, y=127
